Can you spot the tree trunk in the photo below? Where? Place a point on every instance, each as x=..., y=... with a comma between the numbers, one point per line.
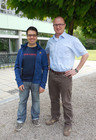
x=71, y=25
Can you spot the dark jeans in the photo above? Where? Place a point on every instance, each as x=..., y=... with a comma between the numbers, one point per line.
x=22, y=108
x=60, y=84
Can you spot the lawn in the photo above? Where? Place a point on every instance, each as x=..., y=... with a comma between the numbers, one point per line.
x=92, y=55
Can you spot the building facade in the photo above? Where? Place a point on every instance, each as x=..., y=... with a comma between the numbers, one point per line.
x=13, y=31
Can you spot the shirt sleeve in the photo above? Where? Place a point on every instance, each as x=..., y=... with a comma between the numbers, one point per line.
x=47, y=48
x=78, y=48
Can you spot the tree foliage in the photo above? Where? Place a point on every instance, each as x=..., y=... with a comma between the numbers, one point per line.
x=90, y=44
x=75, y=12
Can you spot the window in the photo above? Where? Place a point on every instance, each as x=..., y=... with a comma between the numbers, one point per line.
x=8, y=32
x=42, y=43
x=4, y=45
x=13, y=45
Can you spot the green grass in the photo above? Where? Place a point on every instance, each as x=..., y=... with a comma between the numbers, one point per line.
x=92, y=55
x=2, y=67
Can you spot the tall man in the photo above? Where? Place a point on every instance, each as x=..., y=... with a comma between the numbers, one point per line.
x=61, y=50
x=31, y=69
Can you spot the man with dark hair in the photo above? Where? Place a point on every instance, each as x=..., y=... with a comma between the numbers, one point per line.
x=31, y=69
x=32, y=29
x=61, y=50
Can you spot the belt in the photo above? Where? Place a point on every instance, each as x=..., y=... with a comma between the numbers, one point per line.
x=57, y=73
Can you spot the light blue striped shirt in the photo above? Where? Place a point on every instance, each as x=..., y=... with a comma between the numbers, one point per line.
x=62, y=51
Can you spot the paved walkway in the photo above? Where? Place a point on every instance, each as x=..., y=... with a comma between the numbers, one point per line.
x=8, y=86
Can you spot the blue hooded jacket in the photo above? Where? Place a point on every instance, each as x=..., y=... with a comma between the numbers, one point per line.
x=41, y=66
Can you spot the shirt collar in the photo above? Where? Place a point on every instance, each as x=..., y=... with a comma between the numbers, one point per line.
x=62, y=35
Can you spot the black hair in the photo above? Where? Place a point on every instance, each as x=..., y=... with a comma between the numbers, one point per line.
x=33, y=29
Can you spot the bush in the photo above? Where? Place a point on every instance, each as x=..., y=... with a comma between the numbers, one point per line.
x=90, y=44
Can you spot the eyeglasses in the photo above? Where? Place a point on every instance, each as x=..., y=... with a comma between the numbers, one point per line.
x=32, y=35
x=60, y=25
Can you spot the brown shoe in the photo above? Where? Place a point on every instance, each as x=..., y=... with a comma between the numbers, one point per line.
x=67, y=130
x=51, y=121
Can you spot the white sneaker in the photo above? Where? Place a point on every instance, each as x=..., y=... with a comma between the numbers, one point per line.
x=19, y=127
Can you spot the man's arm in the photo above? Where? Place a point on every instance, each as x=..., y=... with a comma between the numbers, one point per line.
x=72, y=72
x=45, y=71
x=48, y=62
x=83, y=60
x=17, y=73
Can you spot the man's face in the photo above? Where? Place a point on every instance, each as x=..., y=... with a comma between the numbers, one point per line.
x=31, y=37
x=59, y=26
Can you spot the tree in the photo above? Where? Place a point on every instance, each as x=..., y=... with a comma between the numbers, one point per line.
x=75, y=12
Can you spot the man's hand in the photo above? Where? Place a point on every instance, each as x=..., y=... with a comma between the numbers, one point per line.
x=41, y=90
x=48, y=67
x=70, y=73
x=21, y=87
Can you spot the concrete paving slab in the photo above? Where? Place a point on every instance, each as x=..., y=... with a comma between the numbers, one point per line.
x=4, y=95
x=5, y=88
x=8, y=83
